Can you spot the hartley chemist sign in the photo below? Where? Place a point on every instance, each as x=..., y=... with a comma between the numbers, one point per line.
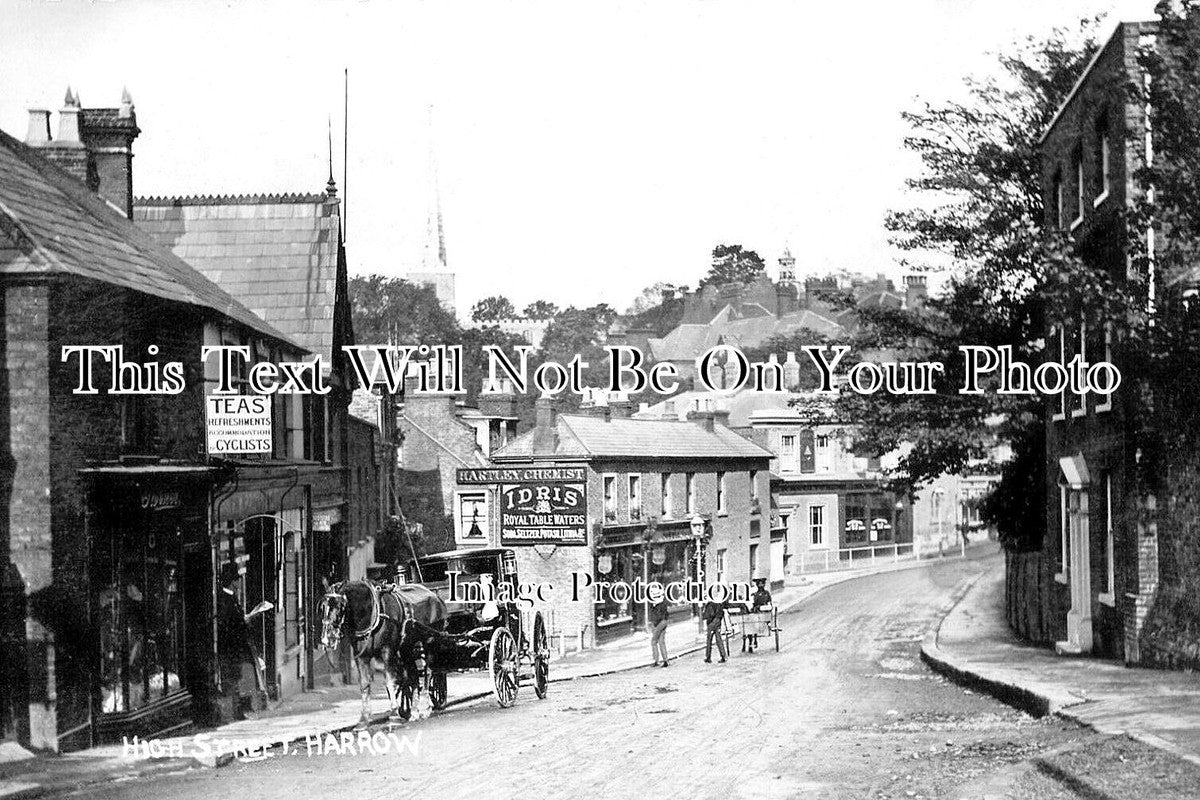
x=538, y=505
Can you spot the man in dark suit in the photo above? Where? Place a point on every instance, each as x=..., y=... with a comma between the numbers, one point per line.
x=233, y=640
x=714, y=615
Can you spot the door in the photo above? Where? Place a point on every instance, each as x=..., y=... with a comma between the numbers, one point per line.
x=1079, y=618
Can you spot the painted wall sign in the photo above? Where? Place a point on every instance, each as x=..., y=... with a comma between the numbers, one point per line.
x=487, y=475
x=238, y=423
x=543, y=512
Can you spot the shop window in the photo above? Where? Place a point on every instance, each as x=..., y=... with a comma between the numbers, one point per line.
x=139, y=611
x=315, y=426
x=816, y=526
x=1110, y=589
x=610, y=498
x=1064, y=534
x=1104, y=401
x=1060, y=216
x=635, y=497
x=824, y=453
x=857, y=523
x=291, y=592
x=787, y=454
x=1103, y=159
x=1079, y=187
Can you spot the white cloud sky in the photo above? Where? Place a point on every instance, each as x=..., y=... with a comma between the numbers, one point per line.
x=584, y=151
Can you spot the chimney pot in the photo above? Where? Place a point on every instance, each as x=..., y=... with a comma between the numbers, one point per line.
x=68, y=121
x=39, y=127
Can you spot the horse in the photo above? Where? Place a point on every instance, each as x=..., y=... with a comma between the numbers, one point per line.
x=391, y=624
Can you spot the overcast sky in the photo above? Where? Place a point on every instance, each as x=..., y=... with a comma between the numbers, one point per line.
x=584, y=151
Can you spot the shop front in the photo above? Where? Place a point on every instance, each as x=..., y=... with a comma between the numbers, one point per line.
x=264, y=531
x=149, y=572
x=665, y=554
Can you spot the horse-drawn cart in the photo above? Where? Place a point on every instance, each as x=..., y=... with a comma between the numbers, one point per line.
x=420, y=633
x=499, y=637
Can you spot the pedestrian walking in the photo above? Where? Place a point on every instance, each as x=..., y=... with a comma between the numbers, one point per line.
x=713, y=615
x=658, y=631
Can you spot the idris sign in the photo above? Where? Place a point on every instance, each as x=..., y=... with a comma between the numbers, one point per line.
x=544, y=512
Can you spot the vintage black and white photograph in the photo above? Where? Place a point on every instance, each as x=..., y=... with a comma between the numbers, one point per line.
x=680, y=399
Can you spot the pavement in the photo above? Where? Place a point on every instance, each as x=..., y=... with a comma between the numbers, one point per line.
x=974, y=646
x=334, y=710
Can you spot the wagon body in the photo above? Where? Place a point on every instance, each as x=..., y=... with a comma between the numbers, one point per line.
x=483, y=634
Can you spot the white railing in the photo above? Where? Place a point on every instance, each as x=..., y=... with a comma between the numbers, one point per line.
x=833, y=560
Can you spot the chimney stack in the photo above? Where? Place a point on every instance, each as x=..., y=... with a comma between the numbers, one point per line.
x=545, y=429
x=108, y=134
x=709, y=420
x=39, y=127
x=68, y=121
x=915, y=291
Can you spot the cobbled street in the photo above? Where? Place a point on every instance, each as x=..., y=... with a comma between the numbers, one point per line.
x=846, y=709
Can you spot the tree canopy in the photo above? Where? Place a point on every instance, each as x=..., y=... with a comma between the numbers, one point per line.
x=733, y=264
x=493, y=309
x=980, y=208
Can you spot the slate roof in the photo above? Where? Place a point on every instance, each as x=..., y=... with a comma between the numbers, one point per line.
x=277, y=253
x=592, y=437
x=740, y=405
x=688, y=341
x=68, y=229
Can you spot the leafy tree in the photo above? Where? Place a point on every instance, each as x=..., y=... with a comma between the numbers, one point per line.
x=493, y=309
x=981, y=210
x=541, y=309
x=392, y=310
x=733, y=264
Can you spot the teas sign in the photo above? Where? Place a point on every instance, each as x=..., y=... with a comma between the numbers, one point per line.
x=543, y=512
x=238, y=424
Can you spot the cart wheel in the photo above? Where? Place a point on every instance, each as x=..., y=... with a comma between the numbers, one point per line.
x=502, y=663
x=437, y=691
x=541, y=658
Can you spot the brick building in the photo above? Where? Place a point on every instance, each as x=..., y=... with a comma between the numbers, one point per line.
x=644, y=482
x=282, y=255
x=111, y=529
x=1097, y=585
x=439, y=437
x=829, y=506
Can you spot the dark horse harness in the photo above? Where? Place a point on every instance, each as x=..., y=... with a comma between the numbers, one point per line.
x=379, y=616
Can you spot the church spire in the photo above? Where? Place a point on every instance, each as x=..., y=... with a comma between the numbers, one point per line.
x=434, y=257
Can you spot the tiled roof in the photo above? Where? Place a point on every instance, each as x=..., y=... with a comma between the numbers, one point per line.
x=229, y=199
x=277, y=253
x=689, y=341
x=636, y=438
x=73, y=231
x=739, y=405
x=105, y=118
